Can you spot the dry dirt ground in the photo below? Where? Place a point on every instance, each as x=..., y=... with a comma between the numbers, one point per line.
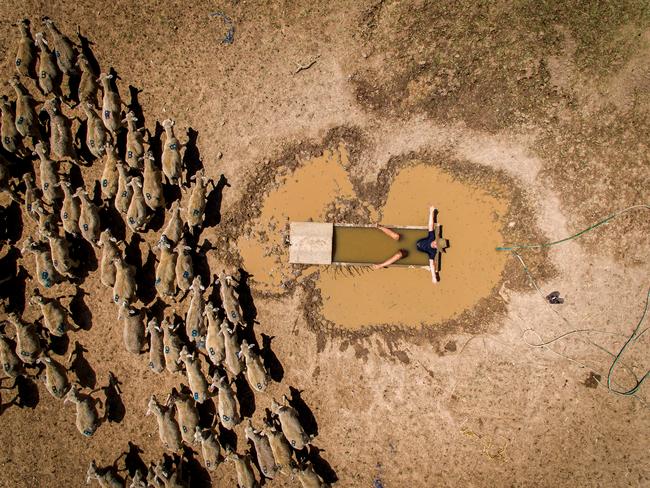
x=550, y=97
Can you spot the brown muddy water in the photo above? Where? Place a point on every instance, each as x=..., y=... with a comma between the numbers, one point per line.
x=369, y=245
x=398, y=296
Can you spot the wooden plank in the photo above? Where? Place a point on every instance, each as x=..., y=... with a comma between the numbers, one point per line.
x=310, y=242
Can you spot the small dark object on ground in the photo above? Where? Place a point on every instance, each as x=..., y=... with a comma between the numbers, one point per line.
x=555, y=298
x=592, y=380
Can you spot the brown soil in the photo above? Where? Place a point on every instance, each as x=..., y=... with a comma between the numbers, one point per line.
x=544, y=107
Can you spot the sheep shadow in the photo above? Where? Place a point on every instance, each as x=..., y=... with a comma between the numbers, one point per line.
x=133, y=462
x=249, y=311
x=213, y=203
x=271, y=361
x=27, y=392
x=86, y=376
x=245, y=397
x=87, y=51
x=321, y=466
x=305, y=415
x=192, y=156
x=114, y=408
x=199, y=476
x=11, y=223
x=13, y=280
x=81, y=313
x=134, y=105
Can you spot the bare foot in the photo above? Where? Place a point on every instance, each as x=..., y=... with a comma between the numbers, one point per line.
x=392, y=234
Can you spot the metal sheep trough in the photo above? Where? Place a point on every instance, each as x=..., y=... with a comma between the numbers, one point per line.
x=358, y=245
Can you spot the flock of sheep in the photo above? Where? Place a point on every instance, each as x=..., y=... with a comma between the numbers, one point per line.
x=206, y=349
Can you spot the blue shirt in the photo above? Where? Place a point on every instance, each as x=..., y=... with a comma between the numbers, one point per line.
x=424, y=245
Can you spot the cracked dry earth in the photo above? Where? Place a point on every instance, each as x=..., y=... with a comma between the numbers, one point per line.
x=543, y=107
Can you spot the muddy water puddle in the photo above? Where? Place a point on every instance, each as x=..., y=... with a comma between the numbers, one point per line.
x=403, y=297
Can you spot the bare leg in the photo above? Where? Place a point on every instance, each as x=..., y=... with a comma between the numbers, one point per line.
x=390, y=233
x=395, y=257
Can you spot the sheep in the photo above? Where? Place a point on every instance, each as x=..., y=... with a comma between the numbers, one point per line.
x=136, y=216
x=187, y=415
x=197, y=382
x=172, y=346
x=47, y=222
x=152, y=186
x=89, y=221
x=61, y=140
x=11, y=140
x=165, y=270
x=47, y=274
x=27, y=122
x=109, y=175
x=171, y=156
x=256, y=374
x=134, y=328
x=125, y=287
x=111, y=104
x=156, y=347
x=229, y=298
x=134, y=142
x=210, y=447
x=25, y=55
x=88, y=86
x=31, y=196
x=110, y=252
x=61, y=259
x=124, y=189
x=308, y=477
x=169, y=479
x=11, y=364
x=96, y=135
x=281, y=449
x=214, y=342
x=245, y=476
x=55, y=316
x=168, y=430
x=194, y=322
x=265, y=458
x=196, y=205
x=290, y=424
x=56, y=377
x=70, y=210
x=174, y=228
x=226, y=403
x=152, y=477
x=231, y=347
x=49, y=177
x=48, y=73
x=87, y=419
x=104, y=476
x=184, y=266
x=63, y=50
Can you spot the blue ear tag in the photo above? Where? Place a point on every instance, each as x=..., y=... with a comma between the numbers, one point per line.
x=107, y=114
x=19, y=61
x=20, y=120
x=85, y=226
x=166, y=349
x=104, y=182
x=186, y=274
x=196, y=396
x=65, y=215
x=195, y=333
x=124, y=194
x=130, y=154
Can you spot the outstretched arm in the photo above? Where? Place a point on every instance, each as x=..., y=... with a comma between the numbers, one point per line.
x=432, y=267
x=432, y=211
